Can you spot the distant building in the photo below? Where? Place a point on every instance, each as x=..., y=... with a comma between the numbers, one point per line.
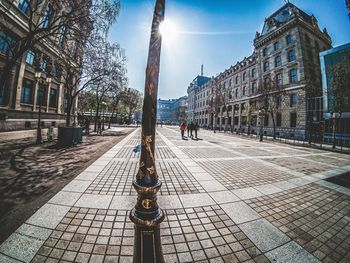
x=336, y=109
x=172, y=111
x=286, y=52
x=195, y=97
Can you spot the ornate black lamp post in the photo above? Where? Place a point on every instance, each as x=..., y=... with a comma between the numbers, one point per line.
x=261, y=116
x=146, y=214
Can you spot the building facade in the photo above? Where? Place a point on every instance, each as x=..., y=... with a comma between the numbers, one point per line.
x=23, y=94
x=172, y=111
x=271, y=87
x=336, y=100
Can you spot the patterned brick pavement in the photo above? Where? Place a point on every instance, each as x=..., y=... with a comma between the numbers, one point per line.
x=315, y=217
x=227, y=199
x=236, y=174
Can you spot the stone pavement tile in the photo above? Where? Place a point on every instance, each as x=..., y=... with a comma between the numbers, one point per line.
x=169, y=202
x=48, y=216
x=94, y=168
x=6, y=259
x=284, y=185
x=94, y=201
x=343, y=190
x=264, y=235
x=65, y=198
x=223, y=197
x=189, y=163
x=212, y=186
x=240, y=212
x=327, y=184
x=87, y=176
x=299, y=181
x=268, y=189
x=195, y=169
x=123, y=202
x=34, y=231
x=291, y=253
x=203, y=177
x=247, y=193
x=193, y=200
x=77, y=186
x=21, y=247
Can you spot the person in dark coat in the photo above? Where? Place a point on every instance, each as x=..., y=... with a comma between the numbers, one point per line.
x=195, y=128
x=191, y=127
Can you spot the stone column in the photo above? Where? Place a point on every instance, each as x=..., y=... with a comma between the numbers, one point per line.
x=48, y=97
x=36, y=87
x=20, y=83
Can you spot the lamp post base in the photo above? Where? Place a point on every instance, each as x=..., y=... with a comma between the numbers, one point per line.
x=147, y=243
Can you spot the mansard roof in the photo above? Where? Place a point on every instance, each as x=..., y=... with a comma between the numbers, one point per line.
x=284, y=15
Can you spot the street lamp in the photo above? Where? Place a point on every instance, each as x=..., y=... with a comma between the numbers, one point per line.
x=261, y=114
x=146, y=214
x=37, y=77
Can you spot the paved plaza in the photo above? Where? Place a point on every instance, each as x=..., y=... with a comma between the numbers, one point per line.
x=226, y=199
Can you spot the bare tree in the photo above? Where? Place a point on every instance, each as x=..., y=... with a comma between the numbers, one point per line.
x=272, y=96
x=131, y=99
x=52, y=23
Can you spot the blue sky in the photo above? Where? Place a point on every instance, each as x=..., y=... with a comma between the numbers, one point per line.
x=216, y=33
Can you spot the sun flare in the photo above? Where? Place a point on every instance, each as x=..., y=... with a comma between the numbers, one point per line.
x=169, y=31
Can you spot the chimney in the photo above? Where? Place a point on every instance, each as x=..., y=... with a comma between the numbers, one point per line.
x=202, y=69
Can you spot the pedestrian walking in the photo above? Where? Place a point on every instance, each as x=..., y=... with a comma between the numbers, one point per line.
x=191, y=127
x=182, y=129
x=195, y=127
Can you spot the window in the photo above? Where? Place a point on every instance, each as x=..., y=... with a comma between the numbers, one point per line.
x=291, y=55
x=254, y=87
x=278, y=119
x=236, y=79
x=289, y=39
x=278, y=61
x=265, y=52
x=229, y=83
x=293, y=100
x=30, y=57
x=244, y=76
x=26, y=92
x=293, y=76
x=40, y=97
x=253, y=73
x=293, y=119
x=279, y=79
x=244, y=90
x=46, y=18
x=43, y=64
x=23, y=5
x=236, y=95
x=276, y=46
x=7, y=43
x=266, y=66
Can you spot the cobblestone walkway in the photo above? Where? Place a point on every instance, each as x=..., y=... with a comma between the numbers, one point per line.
x=227, y=199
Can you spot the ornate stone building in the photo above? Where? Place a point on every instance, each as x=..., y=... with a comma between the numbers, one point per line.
x=19, y=98
x=285, y=59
